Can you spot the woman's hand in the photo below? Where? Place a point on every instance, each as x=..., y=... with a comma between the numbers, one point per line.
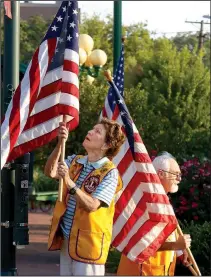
x=63, y=172
x=62, y=132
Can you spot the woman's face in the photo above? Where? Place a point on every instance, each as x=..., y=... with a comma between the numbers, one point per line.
x=95, y=138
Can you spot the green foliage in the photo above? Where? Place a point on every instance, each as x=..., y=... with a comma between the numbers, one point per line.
x=200, y=245
x=42, y=183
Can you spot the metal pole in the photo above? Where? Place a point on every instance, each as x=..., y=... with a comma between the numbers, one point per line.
x=117, y=32
x=11, y=81
x=201, y=36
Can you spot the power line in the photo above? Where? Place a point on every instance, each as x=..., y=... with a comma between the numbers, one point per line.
x=201, y=32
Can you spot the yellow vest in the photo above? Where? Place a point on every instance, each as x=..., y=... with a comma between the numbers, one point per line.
x=91, y=232
x=160, y=264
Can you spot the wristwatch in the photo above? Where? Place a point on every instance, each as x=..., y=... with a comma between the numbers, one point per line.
x=72, y=191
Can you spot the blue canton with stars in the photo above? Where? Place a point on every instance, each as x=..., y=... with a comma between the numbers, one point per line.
x=115, y=97
x=65, y=28
x=118, y=80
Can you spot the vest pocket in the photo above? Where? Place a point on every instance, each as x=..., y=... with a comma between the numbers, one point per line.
x=152, y=270
x=89, y=245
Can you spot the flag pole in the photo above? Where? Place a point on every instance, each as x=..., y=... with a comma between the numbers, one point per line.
x=195, y=271
x=61, y=180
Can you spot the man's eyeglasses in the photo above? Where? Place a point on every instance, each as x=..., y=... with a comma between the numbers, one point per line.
x=178, y=175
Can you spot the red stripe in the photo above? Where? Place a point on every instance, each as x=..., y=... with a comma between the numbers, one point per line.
x=142, y=157
x=56, y=87
x=156, y=244
x=32, y=145
x=138, y=212
x=115, y=113
x=143, y=230
x=71, y=66
x=125, y=162
x=104, y=112
x=38, y=142
x=14, y=120
x=49, y=114
x=34, y=76
x=131, y=188
x=137, y=138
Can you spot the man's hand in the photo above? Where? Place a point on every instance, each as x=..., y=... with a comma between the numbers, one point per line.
x=184, y=258
x=183, y=242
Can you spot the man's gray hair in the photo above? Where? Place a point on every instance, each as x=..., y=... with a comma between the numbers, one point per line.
x=162, y=161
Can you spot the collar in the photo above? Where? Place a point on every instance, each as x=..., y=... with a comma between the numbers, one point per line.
x=96, y=164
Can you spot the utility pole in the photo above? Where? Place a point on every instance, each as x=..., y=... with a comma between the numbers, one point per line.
x=10, y=82
x=201, y=33
x=117, y=32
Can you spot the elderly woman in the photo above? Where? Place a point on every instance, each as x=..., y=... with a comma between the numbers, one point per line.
x=82, y=222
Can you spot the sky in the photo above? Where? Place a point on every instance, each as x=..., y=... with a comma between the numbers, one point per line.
x=163, y=17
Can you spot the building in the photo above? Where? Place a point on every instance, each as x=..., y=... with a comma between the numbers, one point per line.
x=28, y=9
x=46, y=10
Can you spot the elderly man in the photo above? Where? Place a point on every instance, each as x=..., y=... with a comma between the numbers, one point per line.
x=164, y=261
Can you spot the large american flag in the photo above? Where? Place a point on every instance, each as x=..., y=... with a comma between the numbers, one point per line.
x=144, y=217
x=49, y=89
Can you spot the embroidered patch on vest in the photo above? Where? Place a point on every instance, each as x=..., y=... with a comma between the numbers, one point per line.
x=91, y=183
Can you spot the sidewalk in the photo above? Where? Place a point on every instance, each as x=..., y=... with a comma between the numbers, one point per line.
x=35, y=259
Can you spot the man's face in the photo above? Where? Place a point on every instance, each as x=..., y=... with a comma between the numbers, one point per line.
x=171, y=178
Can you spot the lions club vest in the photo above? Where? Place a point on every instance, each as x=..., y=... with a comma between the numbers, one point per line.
x=91, y=232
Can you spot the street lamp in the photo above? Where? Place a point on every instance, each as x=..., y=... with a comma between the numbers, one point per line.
x=91, y=61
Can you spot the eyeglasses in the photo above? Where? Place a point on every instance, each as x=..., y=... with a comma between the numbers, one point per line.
x=178, y=175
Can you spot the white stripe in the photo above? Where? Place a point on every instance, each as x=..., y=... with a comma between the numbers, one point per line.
x=145, y=241
x=123, y=150
x=126, y=213
x=140, y=148
x=5, y=136
x=52, y=76
x=43, y=61
x=71, y=55
x=40, y=129
x=135, y=130
x=126, y=178
x=134, y=230
x=54, y=99
x=145, y=168
x=153, y=188
x=25, y=85
x=71, y=78
x=165, y=209
x=25, y=98
x=107, y=108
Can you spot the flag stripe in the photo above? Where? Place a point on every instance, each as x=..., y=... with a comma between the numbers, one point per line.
x=49, y=89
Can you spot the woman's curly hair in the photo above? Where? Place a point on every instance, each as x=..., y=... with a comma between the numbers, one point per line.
x=114, y=136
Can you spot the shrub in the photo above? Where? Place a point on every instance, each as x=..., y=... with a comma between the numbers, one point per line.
x=42, y=183
x=192, y=201
x=200, y=246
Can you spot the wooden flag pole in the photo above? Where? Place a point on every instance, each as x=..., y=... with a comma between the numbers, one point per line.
x=61, y=180
x=195, y=271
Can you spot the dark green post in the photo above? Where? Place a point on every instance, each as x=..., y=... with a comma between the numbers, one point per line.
x=10, y=82
x=117, y=32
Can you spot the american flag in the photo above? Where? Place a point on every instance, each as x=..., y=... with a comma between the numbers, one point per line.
x=49, y=89
x=144, y=217
x=7, y=6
